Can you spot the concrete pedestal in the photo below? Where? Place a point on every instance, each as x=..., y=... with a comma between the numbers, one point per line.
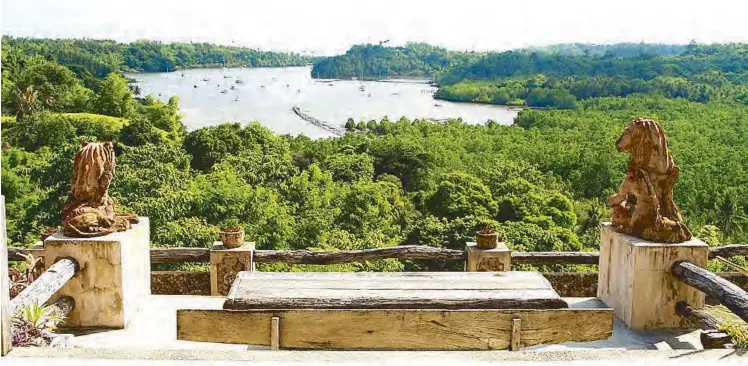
x=488, y=260
x=634, y=279
x=115, y=274
x=225, y=264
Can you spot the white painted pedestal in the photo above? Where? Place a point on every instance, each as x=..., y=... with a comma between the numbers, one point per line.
x=634, y=279
x=115, y=275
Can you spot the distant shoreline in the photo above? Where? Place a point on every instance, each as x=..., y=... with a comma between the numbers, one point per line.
x=209, y=66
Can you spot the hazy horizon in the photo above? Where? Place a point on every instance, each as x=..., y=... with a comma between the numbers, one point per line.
x=327, y=27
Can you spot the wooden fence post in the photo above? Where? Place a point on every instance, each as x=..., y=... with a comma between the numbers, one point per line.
x=5, y=335
x=729, y=294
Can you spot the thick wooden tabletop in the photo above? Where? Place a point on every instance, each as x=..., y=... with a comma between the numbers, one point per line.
x=392, y=290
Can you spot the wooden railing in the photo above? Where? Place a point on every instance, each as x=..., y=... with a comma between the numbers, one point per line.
x=42, y=289
x=727, y=293
x=183, y=255
x=730, y=295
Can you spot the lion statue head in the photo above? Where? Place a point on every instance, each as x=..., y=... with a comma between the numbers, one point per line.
x=647, y=143
x=93, y=169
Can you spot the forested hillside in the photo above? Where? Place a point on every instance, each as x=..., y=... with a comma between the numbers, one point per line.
x=541, y=183
x=377, y=62
x=98, y=58
x=700, y=73
x=560, y=75
x=617, y=49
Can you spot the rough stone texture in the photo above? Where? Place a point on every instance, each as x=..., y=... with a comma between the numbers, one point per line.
x=180, y=283
x=488, y=260
x=635, y=279
x=225, y=263
x=114, y=275
x=643, y=206
x=573, y=284
x=567, y=284
x=89, y=211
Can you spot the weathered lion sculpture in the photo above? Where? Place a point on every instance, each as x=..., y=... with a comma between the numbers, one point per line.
x=644, y=205
x=89, y=211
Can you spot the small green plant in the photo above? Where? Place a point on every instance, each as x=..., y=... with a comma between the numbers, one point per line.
x=34, y=325
x=738, y=334
x=230, y=225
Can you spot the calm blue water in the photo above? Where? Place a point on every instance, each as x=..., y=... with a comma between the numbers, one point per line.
x=268, y=94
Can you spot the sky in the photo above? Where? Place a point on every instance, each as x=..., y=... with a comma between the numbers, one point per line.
x=327, y=27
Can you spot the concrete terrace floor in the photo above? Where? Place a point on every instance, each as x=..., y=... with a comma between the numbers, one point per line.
x=152, y=336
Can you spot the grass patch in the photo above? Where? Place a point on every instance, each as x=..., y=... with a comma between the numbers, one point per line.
x=731, y=324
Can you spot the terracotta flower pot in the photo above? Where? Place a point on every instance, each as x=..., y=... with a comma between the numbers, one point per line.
x=232, y=238
x=49, y=232
x=487, y=241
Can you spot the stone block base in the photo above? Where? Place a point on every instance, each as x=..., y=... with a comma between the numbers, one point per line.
x=225, y=264
x=634, y=279
x=488, y=260
x=114, y=275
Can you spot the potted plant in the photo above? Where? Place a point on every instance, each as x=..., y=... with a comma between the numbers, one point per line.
x=48, y=231
x=487, y=238
x=232, y=234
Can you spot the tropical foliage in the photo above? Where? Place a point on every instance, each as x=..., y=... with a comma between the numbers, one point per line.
x=541, y=183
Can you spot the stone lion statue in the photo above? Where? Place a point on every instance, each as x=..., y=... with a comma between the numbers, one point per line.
x=89, y=211
x=644, y=205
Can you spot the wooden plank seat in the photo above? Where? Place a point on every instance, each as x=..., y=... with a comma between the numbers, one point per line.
x=394, y=311
x=392, y=290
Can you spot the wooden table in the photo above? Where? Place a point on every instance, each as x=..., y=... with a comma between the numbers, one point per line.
x=392, y=290
x=394, y=311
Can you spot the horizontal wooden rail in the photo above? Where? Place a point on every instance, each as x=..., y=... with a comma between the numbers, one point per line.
x=729, y=294
x=41, y=290
x=555, y=257
x=182, y=255
x=401, y=252
x=64, y=305
x=179, y=255
x=728, y=250
x=711, y=337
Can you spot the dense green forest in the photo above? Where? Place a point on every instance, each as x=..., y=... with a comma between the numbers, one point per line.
x=542, y=183
x=560, y=75
x=378, y=62
x=617, y=49
x=700, y=73
x=91, y=59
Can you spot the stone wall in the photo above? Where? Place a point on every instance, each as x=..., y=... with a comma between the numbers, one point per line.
x=573, y=284
x=567, y=284
x=180, y=283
